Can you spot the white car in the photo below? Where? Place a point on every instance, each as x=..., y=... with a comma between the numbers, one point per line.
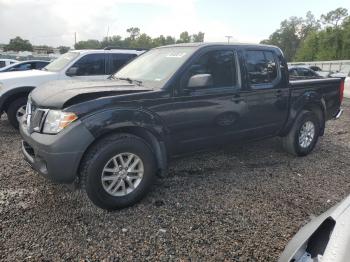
x=347, y=87
x=78, y=64
x=7, y=62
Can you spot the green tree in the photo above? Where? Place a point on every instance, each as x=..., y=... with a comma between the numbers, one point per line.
x=89, y=44
x=309, y=48
x=63, y=49
x=184, y=38
x=346, y=39
x=198, y=37
x=143, y=41
x=334, y=17
x=114, y=41
x=309, y=25
x=287, y=37
x=18, y=44
x=134, y=32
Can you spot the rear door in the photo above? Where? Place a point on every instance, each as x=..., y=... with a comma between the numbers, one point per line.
x=267, y=93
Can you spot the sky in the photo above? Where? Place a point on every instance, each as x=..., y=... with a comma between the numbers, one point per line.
x=54, y=22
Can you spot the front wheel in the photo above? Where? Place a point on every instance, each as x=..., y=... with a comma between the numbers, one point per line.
x=303, y=135
x=118, y=171
x=16, y=111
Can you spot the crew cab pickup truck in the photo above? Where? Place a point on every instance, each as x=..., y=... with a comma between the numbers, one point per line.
x=77, y=64
x=114, y=136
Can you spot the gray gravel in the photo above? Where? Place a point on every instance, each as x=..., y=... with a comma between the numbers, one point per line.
x=241, y=203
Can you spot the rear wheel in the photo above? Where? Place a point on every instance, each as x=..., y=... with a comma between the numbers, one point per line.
x=118, y=171
x=16, y=111
x=303, y=135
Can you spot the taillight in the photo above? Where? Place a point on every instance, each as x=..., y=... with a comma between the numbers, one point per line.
x=341, y=90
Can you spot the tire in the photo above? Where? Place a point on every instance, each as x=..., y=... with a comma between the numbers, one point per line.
x=99, y=158
x=13, y=110
x=292, y=142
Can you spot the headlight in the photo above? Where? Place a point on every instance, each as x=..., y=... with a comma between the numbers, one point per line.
x=57, y=120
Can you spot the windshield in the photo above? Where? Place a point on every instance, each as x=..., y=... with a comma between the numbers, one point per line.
x=156, y=66
x=61, y=62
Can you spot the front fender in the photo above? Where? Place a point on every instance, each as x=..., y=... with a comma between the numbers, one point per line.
x=112, y=119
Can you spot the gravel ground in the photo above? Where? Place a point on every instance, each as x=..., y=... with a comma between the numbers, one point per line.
x=242, y=203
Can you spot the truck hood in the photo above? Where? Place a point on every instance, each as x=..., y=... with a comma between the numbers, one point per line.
x=34, y=78
x=60, y=94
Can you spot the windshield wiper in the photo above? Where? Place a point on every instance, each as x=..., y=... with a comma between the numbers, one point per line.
x=131, y=81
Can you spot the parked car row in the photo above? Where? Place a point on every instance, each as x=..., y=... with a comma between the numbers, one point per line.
x=7, y=62
x=25, y=65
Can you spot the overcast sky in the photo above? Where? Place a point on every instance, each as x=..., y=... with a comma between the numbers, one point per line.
x=53, y=22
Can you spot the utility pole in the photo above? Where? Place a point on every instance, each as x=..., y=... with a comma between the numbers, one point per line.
x=75, y=38
x=228, y=38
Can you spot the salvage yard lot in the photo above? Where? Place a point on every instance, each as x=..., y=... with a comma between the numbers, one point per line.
x=241, y=203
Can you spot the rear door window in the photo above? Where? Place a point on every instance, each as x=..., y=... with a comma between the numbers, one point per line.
x=261, y=67
x=93, y=64
x=2, y=63
x=116, y=61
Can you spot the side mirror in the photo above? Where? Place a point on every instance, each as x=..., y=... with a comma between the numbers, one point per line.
x=72, y=71
x=200, y=80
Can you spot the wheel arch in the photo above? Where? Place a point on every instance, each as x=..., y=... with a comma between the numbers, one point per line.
x=310, y=101
x=151, y=138
x=14, y=94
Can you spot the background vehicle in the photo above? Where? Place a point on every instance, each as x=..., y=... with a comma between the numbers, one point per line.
x=347, y=87
x=83, y=65
x=115, y=135
x=7, y=62
x=326, y=238
x=25, y=65
x=302, y=72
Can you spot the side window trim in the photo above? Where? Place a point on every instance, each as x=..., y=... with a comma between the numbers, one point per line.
x=223, y=89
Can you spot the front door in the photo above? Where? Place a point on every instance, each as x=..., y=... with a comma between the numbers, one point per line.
x=91, y=67
x=209, y=114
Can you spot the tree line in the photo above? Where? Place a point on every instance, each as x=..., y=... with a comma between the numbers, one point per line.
x=311, y=39
x=136, y=39
x=18, y=44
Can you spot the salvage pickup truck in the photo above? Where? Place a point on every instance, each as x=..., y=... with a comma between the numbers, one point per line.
x=114, y=136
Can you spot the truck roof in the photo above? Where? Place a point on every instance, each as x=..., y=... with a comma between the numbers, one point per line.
x=113, y=51
x=234, y=44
